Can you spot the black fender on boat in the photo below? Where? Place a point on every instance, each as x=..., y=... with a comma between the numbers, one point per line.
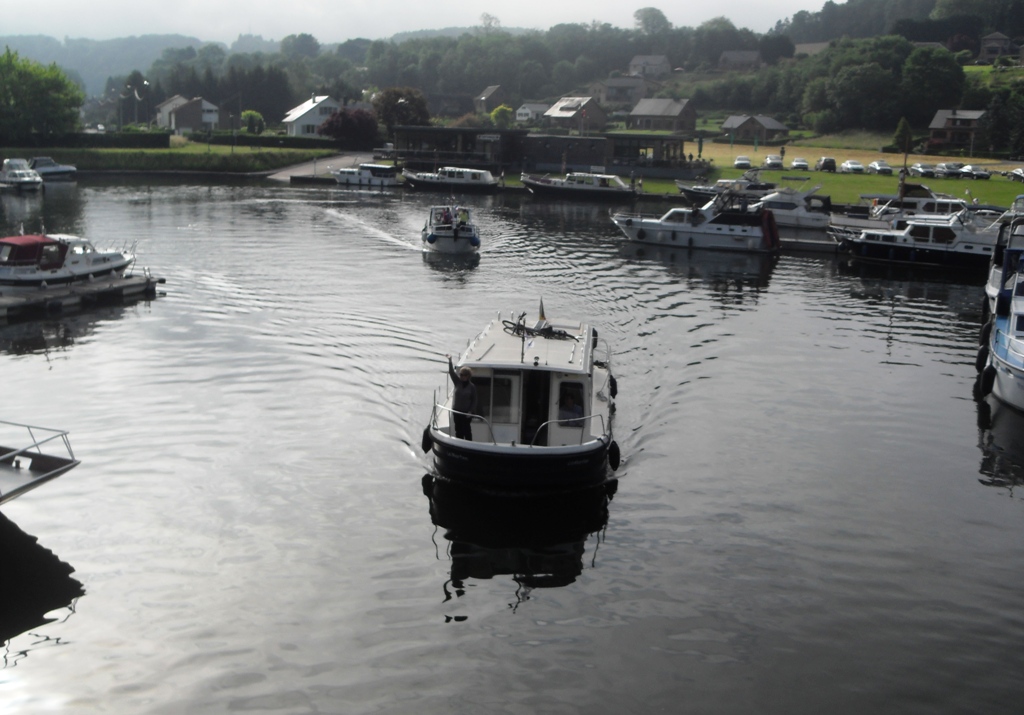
x=982, y=359
x=426, y=443
x=613, y=386
x=988, y=379
x=614, y=455
x=986, y=333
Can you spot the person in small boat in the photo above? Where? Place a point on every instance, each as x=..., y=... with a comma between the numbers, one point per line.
x=463, y=400
x=568, y=411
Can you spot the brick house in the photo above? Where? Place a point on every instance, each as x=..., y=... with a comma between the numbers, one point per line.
x=672, y=115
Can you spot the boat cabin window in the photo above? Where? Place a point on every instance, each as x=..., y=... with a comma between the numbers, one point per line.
x=570, y=404
x=920, y=233
x=943, y=234
x=50, y=256
x=498, y=397
x=5, y=253
x=1020, y=325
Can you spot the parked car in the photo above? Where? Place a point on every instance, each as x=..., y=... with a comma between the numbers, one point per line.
x=742, y=162
x=1017, y=174
x=825, y=163
x=851, y=166
x=919, y=169
x=800, y=163
x=973, y=171
x=948, y=170
x=773, y=161
x=880, y=167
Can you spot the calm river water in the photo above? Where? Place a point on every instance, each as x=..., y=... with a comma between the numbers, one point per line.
x=813, y=514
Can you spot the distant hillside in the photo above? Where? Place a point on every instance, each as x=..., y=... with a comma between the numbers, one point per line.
x=93, y=61
x=453, y=32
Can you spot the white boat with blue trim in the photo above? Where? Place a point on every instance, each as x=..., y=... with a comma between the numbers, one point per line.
x=1001, y=355
x=544, y=396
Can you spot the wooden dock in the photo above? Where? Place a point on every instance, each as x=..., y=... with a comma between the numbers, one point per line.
x=56, y=299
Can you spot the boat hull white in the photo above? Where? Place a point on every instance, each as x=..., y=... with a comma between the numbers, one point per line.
x=754, y=237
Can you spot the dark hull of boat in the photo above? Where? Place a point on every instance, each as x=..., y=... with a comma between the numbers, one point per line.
x=528, y=468
x=917, y=255
x=572, y=192
x=450, y=187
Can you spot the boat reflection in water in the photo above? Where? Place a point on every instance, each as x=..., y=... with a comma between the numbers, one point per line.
x=37, y=589
x=715, y=268
x=451, y=263
x=1001, y=441
x=537, y=539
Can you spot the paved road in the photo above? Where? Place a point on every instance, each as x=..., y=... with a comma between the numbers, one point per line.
x=320, y=166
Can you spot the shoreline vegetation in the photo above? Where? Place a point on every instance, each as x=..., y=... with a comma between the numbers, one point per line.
x=196, y=158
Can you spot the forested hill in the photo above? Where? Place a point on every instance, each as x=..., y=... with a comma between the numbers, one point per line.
x=91, y=62
x=933, y=20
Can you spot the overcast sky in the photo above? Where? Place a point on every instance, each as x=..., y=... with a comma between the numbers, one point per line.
x=338, y=20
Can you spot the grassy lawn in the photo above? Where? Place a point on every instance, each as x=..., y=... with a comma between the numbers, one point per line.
x=183, y=155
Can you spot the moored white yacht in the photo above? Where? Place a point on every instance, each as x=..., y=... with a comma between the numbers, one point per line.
x=579, y=184
x=719, y=225
x=452, y=179
x=18, y=175
x=372, y=176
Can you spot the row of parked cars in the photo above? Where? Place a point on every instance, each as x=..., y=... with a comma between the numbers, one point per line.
x=949, y=170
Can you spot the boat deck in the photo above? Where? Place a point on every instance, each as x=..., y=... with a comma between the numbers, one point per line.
x=57, y=298
x=25, y=468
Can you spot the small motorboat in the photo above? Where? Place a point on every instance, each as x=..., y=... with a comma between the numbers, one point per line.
x=37, y=261
x=24, y=465
x=578, y=184
x=51, y=170
x=1001, y=354
x=450, y=229
x=748, y=186
x=16, y=174
x=372, y=176
x=452, y=179
x=719, y=225
x=545, y=397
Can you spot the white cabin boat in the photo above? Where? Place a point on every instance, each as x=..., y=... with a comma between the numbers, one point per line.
x=1001, y=355
x=372, y=176
x=450, y=228
x=24, y=465
x=885, y=211
x=452, y=179
x=578, y=184
x=36, y=261
x=798, y=209
x=16, y=174
x=718, y=225
x=961, y=240
x=543, y=419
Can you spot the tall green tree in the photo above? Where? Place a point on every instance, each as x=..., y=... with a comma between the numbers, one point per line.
x=932, y=80
x=401, y=106
x=35, y=99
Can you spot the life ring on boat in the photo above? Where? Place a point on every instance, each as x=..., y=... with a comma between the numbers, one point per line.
x=613, y=386
x=426, y=443
x=986, y=333
x=613, y=455
x=988, y=380
x=982, y=360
